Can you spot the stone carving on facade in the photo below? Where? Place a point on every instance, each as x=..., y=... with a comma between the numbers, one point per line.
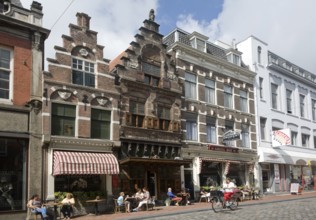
x=64, y=94
x=83, y=52
x=152, y=15
x=5, y=7
x=133, y=64
x=36, y=44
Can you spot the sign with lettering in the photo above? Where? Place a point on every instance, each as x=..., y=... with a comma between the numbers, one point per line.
x=231, y=136
x=281, y=137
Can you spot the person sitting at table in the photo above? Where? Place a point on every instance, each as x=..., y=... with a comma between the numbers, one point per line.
x=173, y=197
x=206, y=195
x=121, y=201
x=67, y=203
x=185, y=197
x=145, y=198
x=36, y=206
x=138, y=196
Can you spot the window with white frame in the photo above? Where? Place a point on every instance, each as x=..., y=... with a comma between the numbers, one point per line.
x=289, y=101
x=243, y=101
x=190, y=86
x=302, y=105
x=294, y=137
x=5, y=73
x=274, y=95
x=259, y=54
x=245, y=142
x=83, y=73
x=137, y=110
x=236, y=59
x=263, y=122
x=261, y=87
x=305, y=140
x=100, y=124
x=191, y=127
x=228, y=96
x=198, y=44
x=314, y=109
x=211, y=130
x=210, y=91
x=63, y=119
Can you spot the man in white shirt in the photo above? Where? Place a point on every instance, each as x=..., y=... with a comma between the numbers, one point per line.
x=228, y=187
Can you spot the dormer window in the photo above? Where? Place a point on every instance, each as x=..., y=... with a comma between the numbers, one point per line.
x=198, y=44
x=236, y=59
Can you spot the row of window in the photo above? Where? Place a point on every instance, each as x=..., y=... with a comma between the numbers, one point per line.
x=305, y=138
x=211, y=137
x=64, y=121
x=210, y=90
x=290, y=102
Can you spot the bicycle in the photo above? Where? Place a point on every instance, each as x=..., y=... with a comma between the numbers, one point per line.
x=219, y=204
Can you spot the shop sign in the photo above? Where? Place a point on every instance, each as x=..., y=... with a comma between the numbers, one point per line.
x=223, y=148
x=281, y=137
x=231, y=136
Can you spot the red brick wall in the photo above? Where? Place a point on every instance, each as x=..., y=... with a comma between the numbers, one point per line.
x=22, y=67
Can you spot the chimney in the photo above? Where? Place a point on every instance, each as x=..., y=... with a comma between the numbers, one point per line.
x=83, y=20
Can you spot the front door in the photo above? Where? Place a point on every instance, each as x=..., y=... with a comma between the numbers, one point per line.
x=152, y=182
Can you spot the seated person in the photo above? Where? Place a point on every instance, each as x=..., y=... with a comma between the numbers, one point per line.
x=145, y=198
x=173, y=197
x=121, y=201
x=185, y=197
x=68, y=203
x=205, y=194
x=36, y=207
x=139, y=195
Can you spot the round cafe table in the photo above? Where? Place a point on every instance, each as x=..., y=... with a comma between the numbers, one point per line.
x=55, y=205
x=96, y=204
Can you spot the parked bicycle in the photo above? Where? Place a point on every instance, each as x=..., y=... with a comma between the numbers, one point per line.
x=218, y=203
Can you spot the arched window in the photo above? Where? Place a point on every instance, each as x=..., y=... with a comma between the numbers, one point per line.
x=259, y=54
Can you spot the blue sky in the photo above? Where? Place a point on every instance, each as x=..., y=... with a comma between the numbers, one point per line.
x=287, y=26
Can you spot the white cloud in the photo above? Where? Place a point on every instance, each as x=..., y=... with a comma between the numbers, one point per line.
x=286, y=25
x=115, y=21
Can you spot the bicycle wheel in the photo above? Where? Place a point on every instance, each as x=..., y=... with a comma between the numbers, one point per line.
x=233, y=203
x=217, y=204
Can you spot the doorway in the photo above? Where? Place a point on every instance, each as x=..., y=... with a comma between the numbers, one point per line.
x=151, y=182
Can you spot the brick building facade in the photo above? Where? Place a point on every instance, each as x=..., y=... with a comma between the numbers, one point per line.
x=21, y=64
x=80, y=115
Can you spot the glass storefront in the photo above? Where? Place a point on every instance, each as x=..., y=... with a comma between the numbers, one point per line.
x=84, y=183
x=12, y=174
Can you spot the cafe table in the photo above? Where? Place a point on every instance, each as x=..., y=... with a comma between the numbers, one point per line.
x=55, y=205
x=96, y=204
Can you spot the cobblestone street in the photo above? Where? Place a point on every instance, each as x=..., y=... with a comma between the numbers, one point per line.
x=279, y=207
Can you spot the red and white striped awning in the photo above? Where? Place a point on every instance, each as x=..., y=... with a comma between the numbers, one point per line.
x=79, y=163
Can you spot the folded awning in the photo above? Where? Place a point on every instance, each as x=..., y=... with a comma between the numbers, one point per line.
x=80, y=163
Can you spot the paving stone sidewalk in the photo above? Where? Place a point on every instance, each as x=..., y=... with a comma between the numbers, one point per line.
x=171, y=210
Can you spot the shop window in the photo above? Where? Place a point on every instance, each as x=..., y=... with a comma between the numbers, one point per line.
x=80, y=183
x=63, y=119
x=12, y=174
x=100, y=124
x=83, y=73
x=5, y=74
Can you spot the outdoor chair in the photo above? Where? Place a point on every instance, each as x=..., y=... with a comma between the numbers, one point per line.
x=119, y=208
